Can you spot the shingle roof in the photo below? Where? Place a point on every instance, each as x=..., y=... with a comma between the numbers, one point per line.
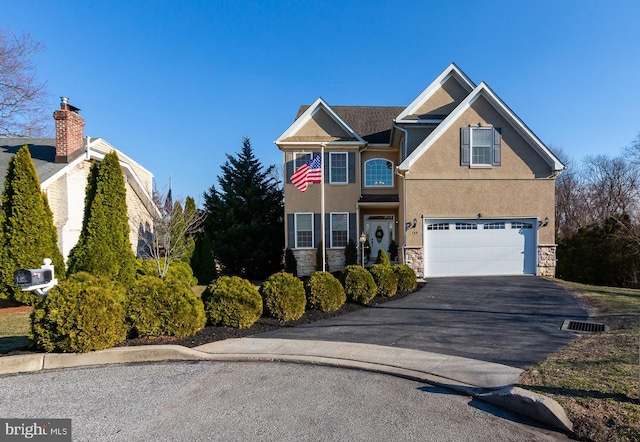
x=372, y=123
x=43, y=153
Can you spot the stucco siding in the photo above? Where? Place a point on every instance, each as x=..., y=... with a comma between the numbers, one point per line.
x=489, y=198
x=519, y=159
x=322, y=125
x=444, y=99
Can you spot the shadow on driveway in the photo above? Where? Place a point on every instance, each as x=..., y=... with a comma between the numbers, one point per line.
x=511, y=320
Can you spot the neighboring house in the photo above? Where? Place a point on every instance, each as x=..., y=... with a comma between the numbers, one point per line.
x=455, y=178
x=63, y=164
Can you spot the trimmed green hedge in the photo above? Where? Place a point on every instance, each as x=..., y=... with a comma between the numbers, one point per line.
x=385, y=279
x=284, y=297
x=324, y=292
x=407, y=281
x=84, y=313
x=232, y=301
x=358, y=284
x=163, y=308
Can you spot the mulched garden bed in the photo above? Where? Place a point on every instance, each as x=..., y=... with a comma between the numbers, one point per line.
x=262, y=325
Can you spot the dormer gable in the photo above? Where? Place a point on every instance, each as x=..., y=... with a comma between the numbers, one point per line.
x=439, y=99
x=484, y=91
x=319, y=123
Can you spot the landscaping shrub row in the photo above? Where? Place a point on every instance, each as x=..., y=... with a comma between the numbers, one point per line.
x=87, y=313
x=231, y=301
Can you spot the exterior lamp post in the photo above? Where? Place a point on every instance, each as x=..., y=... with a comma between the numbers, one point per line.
x=363, y=239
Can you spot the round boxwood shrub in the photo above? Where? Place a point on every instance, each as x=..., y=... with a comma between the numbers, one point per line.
x=324, y=292
x=385, y=279
x=232, y=302
x=358, y=284
x=163, y=308
x=84, y=313
x=283, y=296
x=407, y=281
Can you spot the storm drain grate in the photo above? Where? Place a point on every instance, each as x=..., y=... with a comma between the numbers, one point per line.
x=583, y=326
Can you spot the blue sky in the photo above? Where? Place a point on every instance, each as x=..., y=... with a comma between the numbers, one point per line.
x=177, y=84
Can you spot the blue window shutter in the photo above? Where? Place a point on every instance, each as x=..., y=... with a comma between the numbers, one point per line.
x=465, y=146
x=291, y=232
x=497, y=146
x=325, y=161
x=351, y=166
x=327, y=230
x=353, y=234
x=289, y=171
x=317, y=229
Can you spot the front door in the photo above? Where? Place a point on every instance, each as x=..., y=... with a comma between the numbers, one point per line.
x=379, y=234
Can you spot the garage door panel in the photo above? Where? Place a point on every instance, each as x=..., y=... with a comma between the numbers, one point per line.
x=491, y=248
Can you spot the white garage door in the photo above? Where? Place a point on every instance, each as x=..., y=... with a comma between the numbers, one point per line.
x=479, y=247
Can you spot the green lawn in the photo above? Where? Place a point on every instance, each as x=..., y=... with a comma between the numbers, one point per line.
x=597, y=378
x=14, y=326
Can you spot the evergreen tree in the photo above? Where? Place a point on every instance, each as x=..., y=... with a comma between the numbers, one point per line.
x=27, y=233
x=202, y=262
x=245, y=217
x=190, y=212
x=104, y=248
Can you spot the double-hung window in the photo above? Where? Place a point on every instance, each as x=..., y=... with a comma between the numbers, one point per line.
x=481, y=146
x=378, y=173
x=338, y=168
x=339, y=229
x=304, y=230
x=299, y=158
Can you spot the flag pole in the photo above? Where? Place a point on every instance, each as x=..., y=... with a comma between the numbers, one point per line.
x=324, y=246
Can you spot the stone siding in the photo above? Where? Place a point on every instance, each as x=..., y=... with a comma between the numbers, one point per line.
x=306, y=260
x=414, y=258
x=547, y=260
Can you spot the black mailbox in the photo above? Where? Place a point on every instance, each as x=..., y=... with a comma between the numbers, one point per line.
x=29, y=277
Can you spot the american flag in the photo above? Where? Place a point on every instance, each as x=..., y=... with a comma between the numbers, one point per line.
x=309, y=172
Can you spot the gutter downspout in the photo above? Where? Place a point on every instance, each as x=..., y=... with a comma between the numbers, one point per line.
x=404, y=193
x=358, y=227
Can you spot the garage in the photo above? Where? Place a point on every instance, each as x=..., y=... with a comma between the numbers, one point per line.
x=479, y=247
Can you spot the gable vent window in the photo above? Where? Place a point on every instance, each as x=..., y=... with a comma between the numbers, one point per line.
x=480, y=146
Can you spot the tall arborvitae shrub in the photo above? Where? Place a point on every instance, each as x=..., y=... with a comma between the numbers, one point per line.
x=319, y=258
x=290, y=262
x=190, y=212
x=351, y=253
x=27, y=232
x=103, y=248
x=202, y=262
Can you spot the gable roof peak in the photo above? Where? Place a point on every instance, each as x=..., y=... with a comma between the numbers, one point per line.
x=450, y=71
x=309, y=113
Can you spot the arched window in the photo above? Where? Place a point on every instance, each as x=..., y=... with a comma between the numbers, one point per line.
x=378, y=173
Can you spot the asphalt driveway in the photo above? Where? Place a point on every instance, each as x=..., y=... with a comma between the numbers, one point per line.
x=511, y=320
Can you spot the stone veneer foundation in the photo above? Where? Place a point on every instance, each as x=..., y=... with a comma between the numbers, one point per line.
x=546, y=260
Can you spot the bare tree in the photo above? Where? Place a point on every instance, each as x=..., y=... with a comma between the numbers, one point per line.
x=22, y=96
x=612, y=186
x=173, y=231
x=571, y=208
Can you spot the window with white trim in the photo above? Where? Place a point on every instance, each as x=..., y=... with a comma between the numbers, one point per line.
x=299, y=158
x=521, y=225
x=466, y=226
x=338, y=168
x=481, y=146
x=378, y=172
x=339, y=229
x=304, y=230
x=438, y=226
x=494, y=226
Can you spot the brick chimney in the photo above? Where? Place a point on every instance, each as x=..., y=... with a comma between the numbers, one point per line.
x=69, y=131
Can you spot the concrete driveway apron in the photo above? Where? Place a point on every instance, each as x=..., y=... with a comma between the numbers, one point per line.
x=511, y=320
